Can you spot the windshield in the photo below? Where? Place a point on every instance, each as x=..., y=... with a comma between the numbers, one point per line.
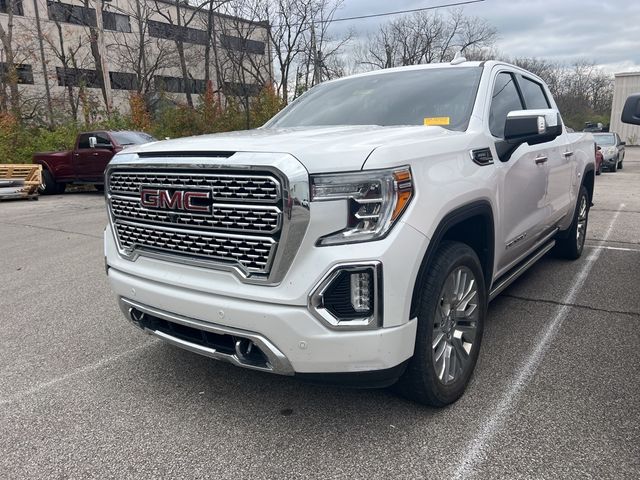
x=132, y=138
x=605, y=139
x=438, y=96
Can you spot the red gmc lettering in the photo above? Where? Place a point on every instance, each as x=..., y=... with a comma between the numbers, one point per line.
x=188, y=205
x=149, y=197
x=174, y=202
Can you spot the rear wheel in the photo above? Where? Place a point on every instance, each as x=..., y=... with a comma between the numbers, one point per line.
x=571, y=245
x=49, y=186
x=451, y=318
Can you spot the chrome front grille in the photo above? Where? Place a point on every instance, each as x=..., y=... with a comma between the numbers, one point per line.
x=253, y=253
x=242, y=227
x=236, y=218
x=224, y=187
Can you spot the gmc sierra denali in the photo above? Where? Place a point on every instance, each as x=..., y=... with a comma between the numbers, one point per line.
x=359, y=235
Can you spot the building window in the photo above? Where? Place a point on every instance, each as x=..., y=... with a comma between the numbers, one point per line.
x=116, y=22
x=123, y=81
x=176, y=32
x=177, y=85
x=17, y=7
x=63, y=12
x=242, y=44
x=76, y=77
x=239, y=89
x=24, y=72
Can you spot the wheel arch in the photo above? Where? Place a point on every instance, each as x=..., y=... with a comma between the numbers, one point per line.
x=462, y=224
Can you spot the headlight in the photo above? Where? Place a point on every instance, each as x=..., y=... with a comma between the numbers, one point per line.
x=376, y=199
x=611, y=150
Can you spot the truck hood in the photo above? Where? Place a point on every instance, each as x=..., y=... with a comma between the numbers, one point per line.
x=319, y=149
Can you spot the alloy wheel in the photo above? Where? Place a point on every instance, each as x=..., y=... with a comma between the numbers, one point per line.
x=455, y=325
x=582, y=222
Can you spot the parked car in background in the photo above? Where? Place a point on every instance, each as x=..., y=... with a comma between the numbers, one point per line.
x=612, y=149
x=599, y=160
x=86, y=162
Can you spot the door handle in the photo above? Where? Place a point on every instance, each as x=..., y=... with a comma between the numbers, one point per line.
x=567, y=154
x=95, y=154
x=541, y=159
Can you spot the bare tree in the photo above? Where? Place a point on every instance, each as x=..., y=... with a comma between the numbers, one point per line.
x=245, y=64
x=321, y=50
x=141, y=53
x=424, y=37
x=67, y=50
x=180, y=15
x=289, y=22
x=10, y=74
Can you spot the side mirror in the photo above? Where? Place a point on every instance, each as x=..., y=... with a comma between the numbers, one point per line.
x=623, y=143
x=532, y=126
x=631, y=110
x=93, y=141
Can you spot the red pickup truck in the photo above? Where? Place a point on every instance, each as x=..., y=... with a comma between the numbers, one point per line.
x=87, y=161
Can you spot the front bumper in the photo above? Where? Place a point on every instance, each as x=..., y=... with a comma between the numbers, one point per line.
x=609, y=161
x=292, y=334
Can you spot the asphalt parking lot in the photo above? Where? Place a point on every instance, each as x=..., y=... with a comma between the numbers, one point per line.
x=556, y=392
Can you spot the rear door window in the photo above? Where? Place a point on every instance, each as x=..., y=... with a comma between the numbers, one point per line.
x=505, y=99
x=533, y=94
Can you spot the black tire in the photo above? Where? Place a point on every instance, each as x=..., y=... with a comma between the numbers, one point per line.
x=569, y=245
x=49, y=186
x=614, y=168
x=420, y=381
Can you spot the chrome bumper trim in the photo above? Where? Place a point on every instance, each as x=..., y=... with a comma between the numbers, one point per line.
x=277, y=362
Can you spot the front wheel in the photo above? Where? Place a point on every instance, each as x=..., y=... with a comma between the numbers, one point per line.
x=452, y=310
x=614, y=168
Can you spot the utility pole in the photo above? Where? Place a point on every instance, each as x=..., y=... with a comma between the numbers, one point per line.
x=317, y=70
x=44, y=64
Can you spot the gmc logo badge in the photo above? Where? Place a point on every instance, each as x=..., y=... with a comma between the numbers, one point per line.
x=180, y=200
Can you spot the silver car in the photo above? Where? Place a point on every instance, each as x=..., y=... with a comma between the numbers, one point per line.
x=612, y=148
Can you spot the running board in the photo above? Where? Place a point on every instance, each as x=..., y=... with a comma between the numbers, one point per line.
x=523, y=267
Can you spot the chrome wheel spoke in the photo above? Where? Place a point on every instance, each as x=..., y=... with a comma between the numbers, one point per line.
x=455, y=325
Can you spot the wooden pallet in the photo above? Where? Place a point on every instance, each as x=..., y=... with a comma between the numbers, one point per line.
x=29, y=174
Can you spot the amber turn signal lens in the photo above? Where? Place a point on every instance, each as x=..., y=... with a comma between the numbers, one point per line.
x=404, y=191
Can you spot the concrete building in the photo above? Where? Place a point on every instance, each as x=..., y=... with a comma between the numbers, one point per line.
x=162, y=48
x=625, y=84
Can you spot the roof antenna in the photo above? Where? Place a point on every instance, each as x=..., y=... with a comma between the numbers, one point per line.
x=458, y=58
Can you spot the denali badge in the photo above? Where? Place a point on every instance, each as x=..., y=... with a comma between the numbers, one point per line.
x=185, y=200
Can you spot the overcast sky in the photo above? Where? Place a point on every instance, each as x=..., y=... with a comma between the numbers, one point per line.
x=604, y=31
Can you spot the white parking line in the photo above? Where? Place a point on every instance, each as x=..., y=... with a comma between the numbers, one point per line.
x=474, y=452
x=621, y=249
x=89, y=368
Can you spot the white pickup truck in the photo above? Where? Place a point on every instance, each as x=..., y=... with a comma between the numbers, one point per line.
x=359, y=235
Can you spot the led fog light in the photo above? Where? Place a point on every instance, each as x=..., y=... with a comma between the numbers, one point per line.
x=361, y=291
x=350, y=297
